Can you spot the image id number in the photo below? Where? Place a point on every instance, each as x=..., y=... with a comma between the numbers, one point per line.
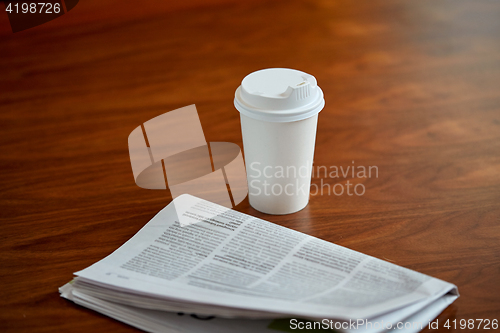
x=33, y=7
x=484, y=324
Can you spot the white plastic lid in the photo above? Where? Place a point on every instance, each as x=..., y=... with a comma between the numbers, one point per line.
x=279, y=95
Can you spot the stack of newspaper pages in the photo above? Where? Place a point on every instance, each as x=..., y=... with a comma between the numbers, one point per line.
x=201, y=267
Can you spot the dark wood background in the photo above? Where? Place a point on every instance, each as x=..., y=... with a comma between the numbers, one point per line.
x=412, y=87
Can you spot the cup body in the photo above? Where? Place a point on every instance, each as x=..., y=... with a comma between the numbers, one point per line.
x=278, y=158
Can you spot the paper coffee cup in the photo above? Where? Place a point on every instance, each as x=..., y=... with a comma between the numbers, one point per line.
x=279, y=114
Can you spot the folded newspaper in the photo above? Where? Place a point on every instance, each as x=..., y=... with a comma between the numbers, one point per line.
x=201, y=267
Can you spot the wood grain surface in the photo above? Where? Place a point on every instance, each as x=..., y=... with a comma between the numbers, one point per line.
x=411, y=87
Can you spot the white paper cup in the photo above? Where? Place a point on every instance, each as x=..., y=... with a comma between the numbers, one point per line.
x=279, y=113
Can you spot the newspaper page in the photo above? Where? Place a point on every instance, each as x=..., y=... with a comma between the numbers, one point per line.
x=197, y=252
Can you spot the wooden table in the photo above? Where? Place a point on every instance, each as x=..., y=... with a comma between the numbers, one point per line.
x=411, y=87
